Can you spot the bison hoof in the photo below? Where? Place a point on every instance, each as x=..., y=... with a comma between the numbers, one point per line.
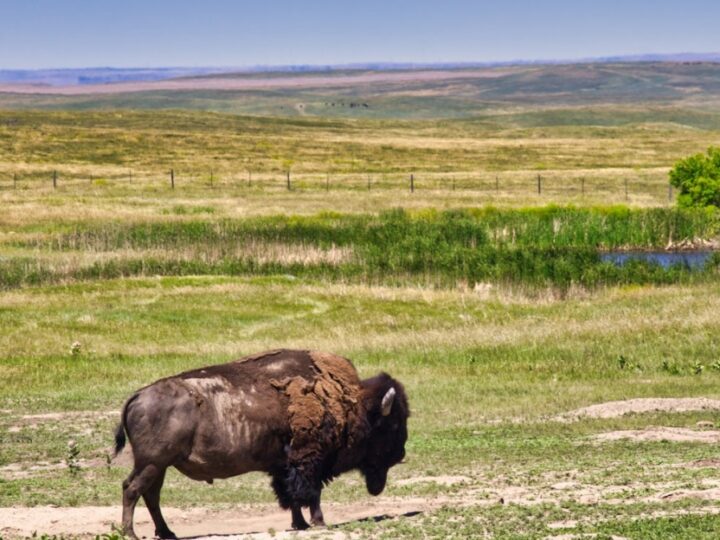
x=301, y=526
x=318, y=523
x=166, y=535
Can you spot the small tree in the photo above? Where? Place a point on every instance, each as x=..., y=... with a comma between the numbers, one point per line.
x=698, y=179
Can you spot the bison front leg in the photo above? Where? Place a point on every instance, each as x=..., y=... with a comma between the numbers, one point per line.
x=296, y=486
x=298, y=520
x=316, y=515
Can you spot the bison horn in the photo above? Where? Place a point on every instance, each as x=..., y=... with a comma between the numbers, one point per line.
x=387, y=401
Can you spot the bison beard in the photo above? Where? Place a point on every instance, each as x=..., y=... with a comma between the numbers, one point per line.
x=302, y=416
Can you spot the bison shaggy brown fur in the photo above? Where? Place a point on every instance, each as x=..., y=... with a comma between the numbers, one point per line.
x=303, y=417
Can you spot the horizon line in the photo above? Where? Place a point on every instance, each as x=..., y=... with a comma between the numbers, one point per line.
x=637, y=57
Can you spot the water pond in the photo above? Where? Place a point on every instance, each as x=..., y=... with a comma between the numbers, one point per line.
x=666, y=259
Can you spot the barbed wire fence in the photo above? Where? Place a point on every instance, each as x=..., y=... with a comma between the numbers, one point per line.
x=549, y=185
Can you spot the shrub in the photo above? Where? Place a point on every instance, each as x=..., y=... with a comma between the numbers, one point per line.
x=698, y=179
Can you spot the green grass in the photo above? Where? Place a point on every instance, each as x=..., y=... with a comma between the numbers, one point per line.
x=550, y=247
x=484, y=373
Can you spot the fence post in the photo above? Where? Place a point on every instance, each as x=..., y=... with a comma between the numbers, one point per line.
x=670, y=192
x=497, y=184
x=172, y=179
x=130, y=175
x=539, y=185
x=288, y=181
x=582, y=186
x=626, y=189
x=91, y=179
x=327, y=181
x=412, y=183
x=368, y=182
x=54, y=179
x=212, y=177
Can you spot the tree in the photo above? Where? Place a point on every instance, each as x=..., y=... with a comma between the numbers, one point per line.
x=698, y=179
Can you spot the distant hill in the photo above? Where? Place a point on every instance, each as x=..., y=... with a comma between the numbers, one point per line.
x=686, y=91
x=107, y=75
x=102, y=75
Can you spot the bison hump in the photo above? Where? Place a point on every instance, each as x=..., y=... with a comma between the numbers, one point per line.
x=323, y=410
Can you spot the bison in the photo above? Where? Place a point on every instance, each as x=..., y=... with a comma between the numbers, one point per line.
x=304, y=417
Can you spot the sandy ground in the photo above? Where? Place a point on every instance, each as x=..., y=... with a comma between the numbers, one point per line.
x=614, y=409
x=659, y=433
x=269, y=521
x=242, y=521
x=255, y=83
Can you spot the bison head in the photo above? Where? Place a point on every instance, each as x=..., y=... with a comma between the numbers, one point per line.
x=387, y=409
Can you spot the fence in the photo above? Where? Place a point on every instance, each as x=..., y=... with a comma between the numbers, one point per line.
x=507, y=183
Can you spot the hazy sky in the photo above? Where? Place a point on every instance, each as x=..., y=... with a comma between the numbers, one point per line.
x=124, y=33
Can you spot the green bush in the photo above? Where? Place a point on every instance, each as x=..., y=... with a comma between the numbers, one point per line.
x=698, y=179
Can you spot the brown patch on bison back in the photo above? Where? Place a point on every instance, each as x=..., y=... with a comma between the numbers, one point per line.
x=338, y=386
x=305, y=410
x=338, y=368
x=320, y=410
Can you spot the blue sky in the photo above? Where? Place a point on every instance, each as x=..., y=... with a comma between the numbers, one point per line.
x=134, y=33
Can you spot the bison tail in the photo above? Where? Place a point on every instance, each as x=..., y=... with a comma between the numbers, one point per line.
x=120, y=439
x=120, y=430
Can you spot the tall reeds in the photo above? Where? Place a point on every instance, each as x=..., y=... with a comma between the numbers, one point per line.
x=552, y=246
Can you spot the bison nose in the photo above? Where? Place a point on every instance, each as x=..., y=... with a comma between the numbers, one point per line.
x=375, y=490
x=376, y=482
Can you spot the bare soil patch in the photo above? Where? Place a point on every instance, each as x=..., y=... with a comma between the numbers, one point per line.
x=66, y=415
x=615, y=409
x=242, y=521
x=712, y=494
x=578, y=536
x=14, y=471
x=705, y=463
x=442, y=480
x=659, y=433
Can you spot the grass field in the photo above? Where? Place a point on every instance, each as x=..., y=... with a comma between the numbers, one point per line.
x=117, y=164
x=487, y=299
x=486, y=371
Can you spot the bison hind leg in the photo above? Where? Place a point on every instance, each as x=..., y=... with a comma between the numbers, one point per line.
x=152, y=501
x=137, y=484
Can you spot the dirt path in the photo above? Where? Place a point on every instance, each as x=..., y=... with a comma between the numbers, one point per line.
x=242, y=521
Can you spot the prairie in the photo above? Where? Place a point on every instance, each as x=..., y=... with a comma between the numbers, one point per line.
x=553, y=395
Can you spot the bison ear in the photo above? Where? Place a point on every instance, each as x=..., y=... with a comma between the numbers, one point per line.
x=387, y=401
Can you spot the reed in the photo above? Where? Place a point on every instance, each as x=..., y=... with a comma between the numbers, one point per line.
x=553, y=246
